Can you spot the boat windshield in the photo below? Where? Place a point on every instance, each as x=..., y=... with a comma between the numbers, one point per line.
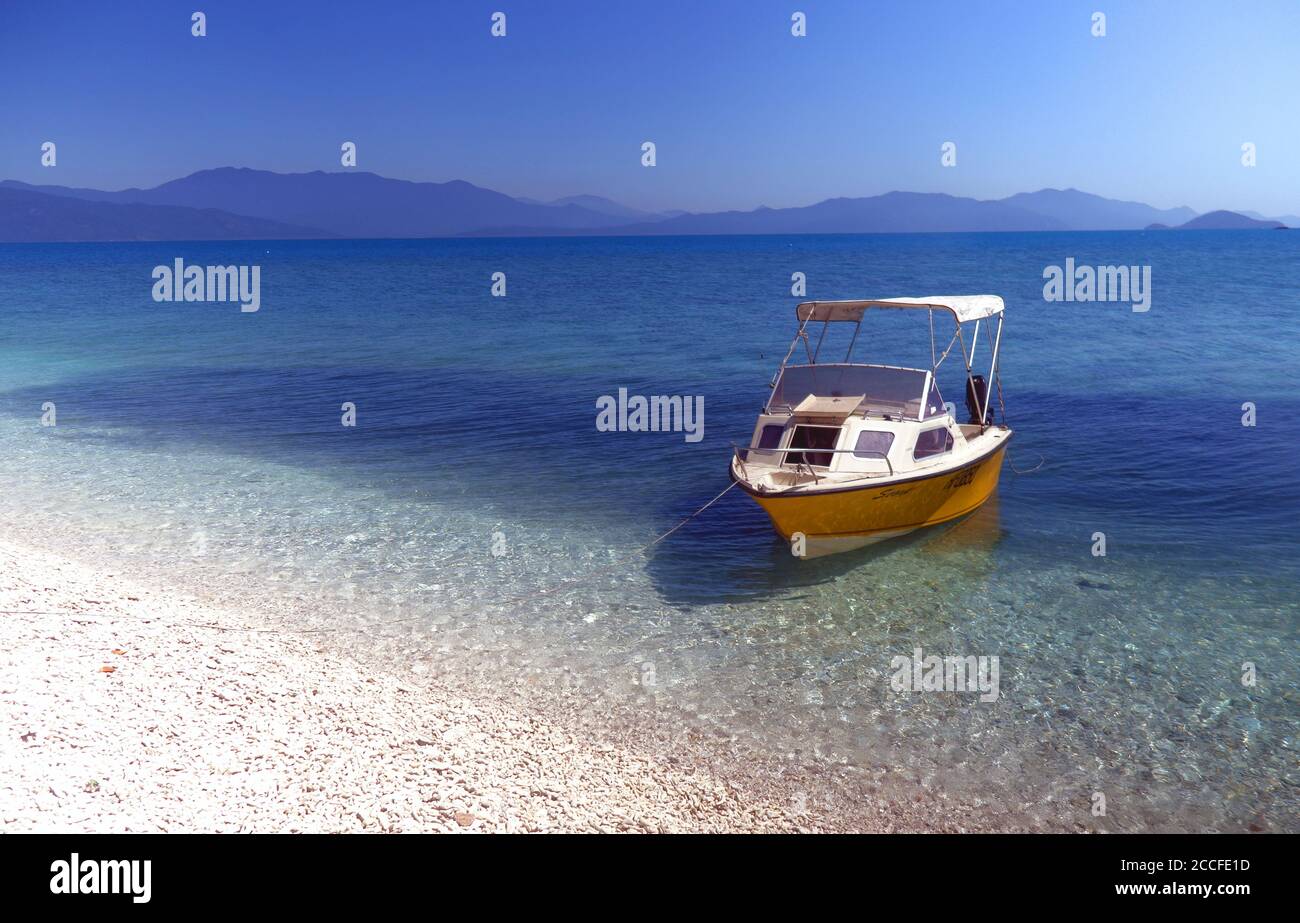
x=889, y=390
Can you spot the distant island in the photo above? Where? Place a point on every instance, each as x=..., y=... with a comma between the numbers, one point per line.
x=1222, y=221
x=237, y=203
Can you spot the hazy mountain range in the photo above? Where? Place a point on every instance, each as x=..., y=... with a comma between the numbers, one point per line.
x=240, y=203
x=31, y=216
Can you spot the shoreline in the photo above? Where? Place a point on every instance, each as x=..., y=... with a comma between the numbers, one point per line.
x=127, y=710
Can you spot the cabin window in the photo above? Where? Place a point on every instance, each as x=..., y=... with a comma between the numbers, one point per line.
x=813, y=437
x=873, y=443
x=932, y=442
x=770, y=437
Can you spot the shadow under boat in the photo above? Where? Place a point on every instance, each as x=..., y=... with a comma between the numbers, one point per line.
x=715, y=562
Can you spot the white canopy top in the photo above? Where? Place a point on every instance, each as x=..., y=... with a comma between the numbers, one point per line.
x=963, y=307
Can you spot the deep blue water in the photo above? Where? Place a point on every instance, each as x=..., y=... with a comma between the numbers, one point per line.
x=203, y=440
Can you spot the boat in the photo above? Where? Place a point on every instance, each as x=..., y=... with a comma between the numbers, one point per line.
x=845, y=454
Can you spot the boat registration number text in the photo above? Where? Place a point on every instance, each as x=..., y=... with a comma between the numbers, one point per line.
x=962, y=478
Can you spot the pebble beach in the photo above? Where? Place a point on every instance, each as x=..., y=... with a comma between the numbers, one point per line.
x=127, y=708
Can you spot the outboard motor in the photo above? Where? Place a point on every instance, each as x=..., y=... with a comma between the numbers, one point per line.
x=977, y=392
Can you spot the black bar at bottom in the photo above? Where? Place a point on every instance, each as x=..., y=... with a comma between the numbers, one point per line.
x=332, y=874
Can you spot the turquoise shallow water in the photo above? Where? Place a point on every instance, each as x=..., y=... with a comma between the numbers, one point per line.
x=197, y=441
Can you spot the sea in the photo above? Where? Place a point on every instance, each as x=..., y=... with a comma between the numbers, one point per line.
x=1136, y=576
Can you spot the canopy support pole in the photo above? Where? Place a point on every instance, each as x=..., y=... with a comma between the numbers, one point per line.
x=993, y=371
x=933, y=365
x=800, y=334
x=966, y=358
x=856, y=331
x=826, y=325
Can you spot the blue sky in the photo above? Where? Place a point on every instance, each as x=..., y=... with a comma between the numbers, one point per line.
x=742, y=113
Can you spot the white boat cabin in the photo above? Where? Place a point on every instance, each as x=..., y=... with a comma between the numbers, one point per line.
x=827, y=424
x=851, y=419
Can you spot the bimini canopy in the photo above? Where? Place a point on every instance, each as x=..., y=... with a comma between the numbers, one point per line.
x=963, y=307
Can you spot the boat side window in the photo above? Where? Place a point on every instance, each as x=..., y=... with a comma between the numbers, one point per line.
x=770, y=437
x=932, y=442
x=813, y=437
x=873, y=443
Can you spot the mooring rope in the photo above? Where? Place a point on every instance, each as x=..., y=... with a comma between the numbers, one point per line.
x=642, y=550
x=1041, y=461
x=342, y=628
x=1002, y=403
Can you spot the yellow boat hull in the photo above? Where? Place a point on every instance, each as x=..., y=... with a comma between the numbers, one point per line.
x=849, y=517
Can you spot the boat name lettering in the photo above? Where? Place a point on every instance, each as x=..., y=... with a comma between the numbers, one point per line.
x=963, y=478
